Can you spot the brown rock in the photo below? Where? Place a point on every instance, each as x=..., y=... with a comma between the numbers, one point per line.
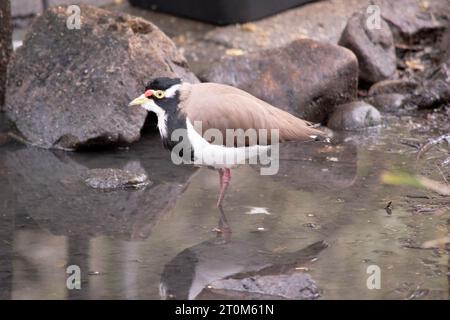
x=70, y=88
x=306, y=78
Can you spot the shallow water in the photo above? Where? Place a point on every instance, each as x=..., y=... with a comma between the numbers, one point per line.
x=141, y=244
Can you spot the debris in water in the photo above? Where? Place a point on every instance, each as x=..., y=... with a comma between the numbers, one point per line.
x=108, y=179
x=411, y=143
x=415, y=64
x=311, y=225
x=418, y=293
x=388, y=208
x=406, y=179
x=446, y=162
x=302, y=268
x=436, y=243
x=250, y=27
x=234, y=52
x=432, y=142
x=258, y=210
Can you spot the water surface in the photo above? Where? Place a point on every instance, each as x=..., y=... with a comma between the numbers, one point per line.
x=141, y=244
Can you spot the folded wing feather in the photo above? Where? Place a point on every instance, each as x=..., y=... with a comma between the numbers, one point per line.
x=222, y=107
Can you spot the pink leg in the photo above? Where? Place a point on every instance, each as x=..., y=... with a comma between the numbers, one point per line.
x=225, y=178
x=220, y=177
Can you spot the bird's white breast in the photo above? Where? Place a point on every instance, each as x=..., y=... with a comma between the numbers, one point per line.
x=220, y=156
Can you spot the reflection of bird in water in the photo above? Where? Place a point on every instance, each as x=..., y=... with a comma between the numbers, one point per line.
x=192, y=270
x=198, y=108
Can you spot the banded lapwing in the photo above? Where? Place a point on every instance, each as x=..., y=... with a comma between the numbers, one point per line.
x=181, y=105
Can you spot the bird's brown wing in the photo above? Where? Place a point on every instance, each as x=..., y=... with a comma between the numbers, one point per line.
x=224, y=107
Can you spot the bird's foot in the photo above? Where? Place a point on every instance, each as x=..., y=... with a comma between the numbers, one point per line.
x=221, y=230
x=223, y=234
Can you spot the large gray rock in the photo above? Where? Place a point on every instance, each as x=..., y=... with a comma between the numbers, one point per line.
x=374, y=47
x=306, y=77
x=354, y=116
x=70, y=88
x=411, y=18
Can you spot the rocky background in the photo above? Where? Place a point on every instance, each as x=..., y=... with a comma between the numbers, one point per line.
x=328, y=62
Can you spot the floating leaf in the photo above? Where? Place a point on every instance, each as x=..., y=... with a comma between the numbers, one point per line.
x=406, y=179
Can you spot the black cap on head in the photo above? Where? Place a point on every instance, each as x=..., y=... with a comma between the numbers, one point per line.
x=162, y=83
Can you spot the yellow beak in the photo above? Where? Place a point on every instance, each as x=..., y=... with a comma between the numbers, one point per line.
x=138, y=101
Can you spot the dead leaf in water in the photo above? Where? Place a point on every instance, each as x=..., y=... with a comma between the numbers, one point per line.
x=436, y=243
x=250, y=27
x=415, y=64
x=234, y=52
x=406, y=179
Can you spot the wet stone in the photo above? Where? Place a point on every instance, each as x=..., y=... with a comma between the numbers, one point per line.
x=411, y=19
x=393, y=86
x=293, y=286
x=78, y=83
x=306, y=77
x=354, y=116
x=108, y=179
x=374, y=47
x=390, y=102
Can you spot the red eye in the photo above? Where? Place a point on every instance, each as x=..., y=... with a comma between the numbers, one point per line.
x=148, y=93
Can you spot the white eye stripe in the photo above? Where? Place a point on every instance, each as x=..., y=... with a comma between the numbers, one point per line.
x=171, y=92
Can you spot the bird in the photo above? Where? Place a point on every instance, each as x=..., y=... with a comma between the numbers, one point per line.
x=185, y=106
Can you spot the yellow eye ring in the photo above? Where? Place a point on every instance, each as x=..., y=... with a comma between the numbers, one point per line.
x=159, y=94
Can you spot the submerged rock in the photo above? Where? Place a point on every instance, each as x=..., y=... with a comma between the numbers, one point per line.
x=389, y=102
x=211, y=270
x=374, y=47
x=306, y=77
x=71, y=88
x=108, y=179
x=299, y=286
x=48, y=186
x=353, y=116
